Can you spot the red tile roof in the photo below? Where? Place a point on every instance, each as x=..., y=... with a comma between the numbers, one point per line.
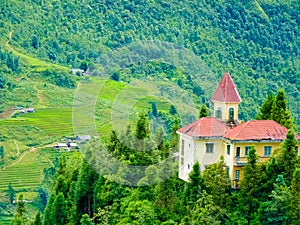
x=258, y=130
x=226, y=90
x=204, y=127
x=251, y=130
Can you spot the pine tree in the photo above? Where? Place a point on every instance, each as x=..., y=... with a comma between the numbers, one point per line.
x=194, y=186
x=37, y=219
x=172, y=110
x=295, y=198
x=276, y=108
x=59, y=210
x=280, y=112
x=217, y=183
x=289, y=155
x=142, y=127
x=1, y=153
x=43, y=195
x=203, y=111
x=20, y=218
x=275, y=210
x=84, y=191
x=250, y=189
x=265, y=110
x=11, y=193
x=154, y=109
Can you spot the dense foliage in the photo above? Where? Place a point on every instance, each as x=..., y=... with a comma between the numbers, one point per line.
x=269, y=192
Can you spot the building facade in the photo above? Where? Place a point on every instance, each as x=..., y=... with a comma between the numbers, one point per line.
x=209, y=138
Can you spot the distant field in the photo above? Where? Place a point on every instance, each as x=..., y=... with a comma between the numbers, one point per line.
x=27, y=171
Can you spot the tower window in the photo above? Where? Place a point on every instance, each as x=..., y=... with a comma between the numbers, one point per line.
x=231, y=113
x=219, y=113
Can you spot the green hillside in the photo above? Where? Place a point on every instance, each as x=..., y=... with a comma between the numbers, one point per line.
x=41, y=40
x=257, y=41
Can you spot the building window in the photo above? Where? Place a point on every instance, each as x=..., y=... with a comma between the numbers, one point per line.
x=182, y=147
x=188, y=166
x=247, y=148
x=228, y=149
x=231, y=113
x=182, y=160
x=219, y=113
x=267, y=150
x=238, y=151
x=209, y=147
x=237, y=175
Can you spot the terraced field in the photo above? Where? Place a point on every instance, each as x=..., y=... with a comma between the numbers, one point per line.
x=27, y=171
x=96, y=103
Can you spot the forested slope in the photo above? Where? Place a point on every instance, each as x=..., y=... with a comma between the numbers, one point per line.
x=257, y=41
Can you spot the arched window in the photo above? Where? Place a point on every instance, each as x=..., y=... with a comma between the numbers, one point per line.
x=231, y=113
x=219, y=113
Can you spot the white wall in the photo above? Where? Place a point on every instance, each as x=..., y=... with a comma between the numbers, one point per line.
x=188, y=157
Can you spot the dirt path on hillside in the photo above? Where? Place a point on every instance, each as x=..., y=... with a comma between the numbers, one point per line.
x=39, y=95
x=17, y=161
x=9, y=37
x=17, y=147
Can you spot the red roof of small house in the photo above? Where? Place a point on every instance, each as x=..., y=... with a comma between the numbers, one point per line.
x=204, y=127
x=226, y=90
x=258, y=130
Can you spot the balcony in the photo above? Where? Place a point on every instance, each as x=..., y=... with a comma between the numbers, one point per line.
x=240, y=161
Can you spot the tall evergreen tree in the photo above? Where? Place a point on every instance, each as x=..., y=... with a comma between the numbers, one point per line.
x=276, y=209
x=59, y=210
x=194, y=186
x=295, y=198
x=154, y=109
x=142, y=127
x=217, y=183
x=20, y=218
x=289, y=155
x=37, y=219
x=84, y=190
x=11, y=193
x=1, y=153
x=203, y=111
x=266, y=108
x=280, y=112
x=250, y=189
x=276, y=108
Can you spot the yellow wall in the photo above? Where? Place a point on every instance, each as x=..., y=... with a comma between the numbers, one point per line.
x=258, y=146
x=260, y=152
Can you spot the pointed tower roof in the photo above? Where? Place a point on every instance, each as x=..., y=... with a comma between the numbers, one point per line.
x=226, y=90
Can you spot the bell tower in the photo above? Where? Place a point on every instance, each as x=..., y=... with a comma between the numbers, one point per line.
x=226, y=99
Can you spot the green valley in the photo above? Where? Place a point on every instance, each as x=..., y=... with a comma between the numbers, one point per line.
x=96, y=67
